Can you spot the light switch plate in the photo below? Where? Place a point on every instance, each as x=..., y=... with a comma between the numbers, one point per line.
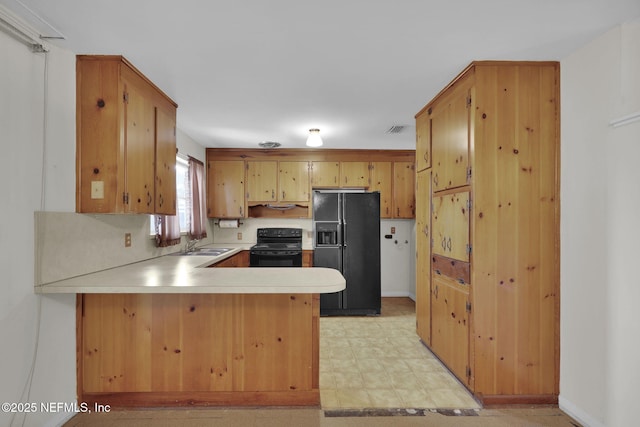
x=127, y=240
x=239, y=236
x=97, y=189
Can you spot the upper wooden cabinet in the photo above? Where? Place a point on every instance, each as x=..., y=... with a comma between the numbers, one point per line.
x=293, y=181
x=277, y=181
x=404, y=190
x=354, y=174
x=125, y=148
x=325, y=174
x=225, y=189
x=382, y=181
x=262, y=181
x=165, y=161
x=494, y=271
x=423, y=141
x=450, y=138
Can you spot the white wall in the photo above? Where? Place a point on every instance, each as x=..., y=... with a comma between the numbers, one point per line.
x=599, y=374
x=397, y=258
x=21, y=130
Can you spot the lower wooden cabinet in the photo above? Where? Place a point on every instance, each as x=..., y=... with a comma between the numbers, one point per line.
x=241, y=259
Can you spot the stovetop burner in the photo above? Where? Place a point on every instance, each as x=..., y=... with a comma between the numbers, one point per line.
x=277, y=247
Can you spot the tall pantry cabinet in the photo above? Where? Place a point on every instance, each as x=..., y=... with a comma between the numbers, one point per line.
x=487, y=199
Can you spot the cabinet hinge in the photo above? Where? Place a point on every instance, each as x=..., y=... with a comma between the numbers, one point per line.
x=125, y=198
x=469, y=205
x=469, y=101
x=125, y=97
x=246, y=166
x=468, y=249
x=468, y=173
x=468, y=307
x=468, y=372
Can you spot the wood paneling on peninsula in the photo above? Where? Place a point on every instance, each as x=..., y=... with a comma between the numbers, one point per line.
x=198, y=349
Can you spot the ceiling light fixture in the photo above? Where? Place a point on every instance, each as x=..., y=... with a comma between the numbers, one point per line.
x=314, y=139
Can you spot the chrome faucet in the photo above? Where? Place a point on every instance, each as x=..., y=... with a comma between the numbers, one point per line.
x=190, y=246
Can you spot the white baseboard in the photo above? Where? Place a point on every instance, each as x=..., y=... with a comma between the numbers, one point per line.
x=395, y=294
x=578, y=413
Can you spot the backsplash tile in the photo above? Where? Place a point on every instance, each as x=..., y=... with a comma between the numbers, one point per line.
x=69, y=244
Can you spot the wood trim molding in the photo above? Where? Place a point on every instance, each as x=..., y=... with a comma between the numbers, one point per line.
x=201, y=399
x=327, y=155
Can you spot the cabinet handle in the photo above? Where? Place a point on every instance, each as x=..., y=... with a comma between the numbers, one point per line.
x=435, y=179
x=149, y=199
x=283, y=195
x=240, y=210
x=273, y=194
x=444, y=243
x=449, y=244
x=398, y=211
x=426, y=230
x=435, y=291
x=161, y=200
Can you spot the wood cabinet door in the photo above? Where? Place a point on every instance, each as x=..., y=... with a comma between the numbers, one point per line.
x=139, y=149
x=423, y=256
x=423, y=141
x=293, y=181
x=450, y=140
x=225, y=189
x=262, y=181
x=325, y=174
x=381, y=178
x=450, y=222
x=165, y=200
x=404, y=190
x=354, y=174
x=450, y=325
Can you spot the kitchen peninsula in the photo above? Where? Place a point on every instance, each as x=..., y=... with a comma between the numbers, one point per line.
x=170, y=332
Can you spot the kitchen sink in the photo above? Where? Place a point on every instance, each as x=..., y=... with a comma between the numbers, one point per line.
x=204, y=252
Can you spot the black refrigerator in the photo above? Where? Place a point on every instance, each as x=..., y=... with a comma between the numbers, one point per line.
x=346, y=230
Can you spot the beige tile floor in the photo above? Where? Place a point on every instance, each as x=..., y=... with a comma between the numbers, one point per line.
x=379, y=362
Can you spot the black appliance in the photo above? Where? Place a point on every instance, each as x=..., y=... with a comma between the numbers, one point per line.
x=277, y=247
x=346, y=229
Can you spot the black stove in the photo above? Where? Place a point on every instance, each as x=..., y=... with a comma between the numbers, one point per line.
x=277, y=247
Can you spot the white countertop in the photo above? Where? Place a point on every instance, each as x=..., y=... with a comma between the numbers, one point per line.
x=188, y=274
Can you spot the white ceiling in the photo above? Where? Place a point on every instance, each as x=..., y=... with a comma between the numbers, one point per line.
x=245, y=71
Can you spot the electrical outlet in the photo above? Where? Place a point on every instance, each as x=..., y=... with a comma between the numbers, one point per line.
x=239, y=236
x=127, y=240
x=393, y=230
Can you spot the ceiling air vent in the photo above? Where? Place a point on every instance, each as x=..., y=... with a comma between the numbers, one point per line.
x=395, y=129
x=269, y=144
